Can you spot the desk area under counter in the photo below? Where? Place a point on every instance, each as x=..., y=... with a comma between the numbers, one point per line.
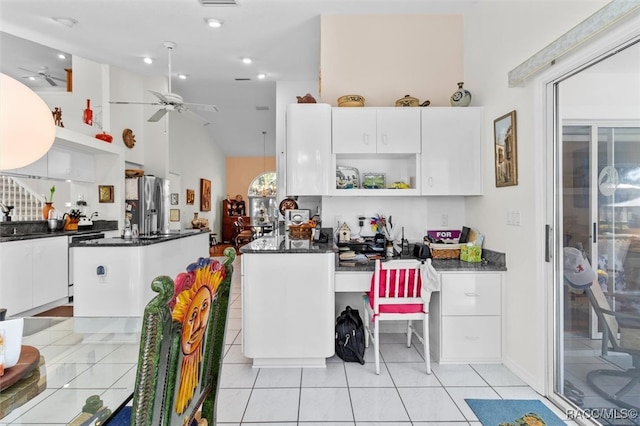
x=113, y=275
x=465, y=318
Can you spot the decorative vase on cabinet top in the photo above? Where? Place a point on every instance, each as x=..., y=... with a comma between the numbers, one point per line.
x=461, y=97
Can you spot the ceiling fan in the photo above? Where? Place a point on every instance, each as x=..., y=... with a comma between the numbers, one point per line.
x=170, y=101
x=43, y=74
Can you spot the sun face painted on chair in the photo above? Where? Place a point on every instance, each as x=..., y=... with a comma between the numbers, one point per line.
x=192, y=308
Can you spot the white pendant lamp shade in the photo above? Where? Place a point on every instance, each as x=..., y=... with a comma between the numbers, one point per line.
x=27, y=130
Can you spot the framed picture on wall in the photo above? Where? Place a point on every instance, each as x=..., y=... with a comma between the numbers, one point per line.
x=174, y=215
x=205, y=195
x=174, y=199
x=105, y=193
x=191, y=196
x=506, y=150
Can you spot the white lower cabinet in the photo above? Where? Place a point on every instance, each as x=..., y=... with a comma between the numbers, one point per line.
x=33, y=273
x=465, y=318
x=288, y=308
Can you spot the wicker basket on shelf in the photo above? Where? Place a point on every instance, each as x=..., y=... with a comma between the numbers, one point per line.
x=445, y=251
x=302, y=231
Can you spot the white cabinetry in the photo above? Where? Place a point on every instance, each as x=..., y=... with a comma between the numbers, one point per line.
x=70, y=165
x=451, y=147
x=466, y=318
x=378, y=140
x=296, y=289
x=376, y=130
x=33, y=273
x=308, y=149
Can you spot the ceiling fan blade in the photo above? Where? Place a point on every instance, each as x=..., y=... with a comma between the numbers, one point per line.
x=197, y=117
x=158, y=115
x=57, y=78
x=160, y=96
x=134, y=103
x=50, y=81
x=203, y=107
x=29, y=71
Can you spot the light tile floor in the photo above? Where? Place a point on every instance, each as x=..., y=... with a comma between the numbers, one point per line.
x=345, y=394
x=339, y=395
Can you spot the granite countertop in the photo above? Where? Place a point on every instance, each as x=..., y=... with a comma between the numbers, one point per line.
x=29, y=230
x=280, y=242
x=492, y=261
x=137, y=242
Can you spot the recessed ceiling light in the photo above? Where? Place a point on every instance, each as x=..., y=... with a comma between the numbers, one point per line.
x=182, y=76
x=262, y=76
x=213, y=22
x=247, y=60
x=67, y=22
x=62, y=56
x=147, y=60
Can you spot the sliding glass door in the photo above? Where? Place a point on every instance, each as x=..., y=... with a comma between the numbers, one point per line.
x=598, y=204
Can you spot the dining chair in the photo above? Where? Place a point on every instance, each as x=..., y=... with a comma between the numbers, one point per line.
x=397, y=293
x=242, y=235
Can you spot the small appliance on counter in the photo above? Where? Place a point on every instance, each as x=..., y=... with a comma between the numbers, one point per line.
x=296, y=217
x=6, y=212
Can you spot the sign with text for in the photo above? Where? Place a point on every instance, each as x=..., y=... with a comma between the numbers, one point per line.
x=444, y=234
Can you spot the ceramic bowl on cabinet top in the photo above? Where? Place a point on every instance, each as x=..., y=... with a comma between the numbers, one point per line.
x=351, y=101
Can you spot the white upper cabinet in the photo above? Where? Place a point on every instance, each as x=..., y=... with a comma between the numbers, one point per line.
x=452, y=151
x=376, y=130
x=72, y=165
x=308, y=149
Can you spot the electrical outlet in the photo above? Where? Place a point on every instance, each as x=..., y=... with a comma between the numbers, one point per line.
x=361, y=220
x=444, y=219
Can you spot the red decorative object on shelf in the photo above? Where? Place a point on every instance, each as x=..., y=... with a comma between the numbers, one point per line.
x=104, y=136
x=88, y=114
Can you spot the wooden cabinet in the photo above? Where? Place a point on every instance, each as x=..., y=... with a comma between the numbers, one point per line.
x=465, y=318
x=230, y=213
x=451, y=151
x=308, y=149
x=376, y=130
x=34, y=273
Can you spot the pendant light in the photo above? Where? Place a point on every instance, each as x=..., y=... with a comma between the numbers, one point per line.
x=264, y=163
x=27, y=130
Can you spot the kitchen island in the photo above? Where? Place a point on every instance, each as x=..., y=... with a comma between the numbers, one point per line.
x=113, y=275
x=288, y=301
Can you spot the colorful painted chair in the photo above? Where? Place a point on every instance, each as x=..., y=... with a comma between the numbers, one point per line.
x=181, y=347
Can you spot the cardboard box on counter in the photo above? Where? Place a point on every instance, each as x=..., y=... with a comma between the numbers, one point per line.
x=470, y=253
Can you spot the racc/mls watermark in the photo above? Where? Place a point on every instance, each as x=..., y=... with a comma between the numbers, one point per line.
x=603, y=413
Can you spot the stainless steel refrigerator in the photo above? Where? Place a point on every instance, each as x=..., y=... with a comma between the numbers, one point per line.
x=147, y=204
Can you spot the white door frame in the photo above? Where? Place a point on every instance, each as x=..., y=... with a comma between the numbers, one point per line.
x=547, y=128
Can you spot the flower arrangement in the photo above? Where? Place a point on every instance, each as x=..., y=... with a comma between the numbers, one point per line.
x=52, y=191
x=380, y=225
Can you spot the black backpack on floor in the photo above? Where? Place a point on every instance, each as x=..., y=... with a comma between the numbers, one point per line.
x=350, y=336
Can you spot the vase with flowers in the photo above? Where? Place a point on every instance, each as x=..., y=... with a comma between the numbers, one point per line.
x=48, y=205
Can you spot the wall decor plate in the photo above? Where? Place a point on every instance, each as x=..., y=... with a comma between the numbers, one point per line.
x=287, y=204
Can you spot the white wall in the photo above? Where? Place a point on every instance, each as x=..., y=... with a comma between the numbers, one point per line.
x=499, y=35
x=193, y=155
